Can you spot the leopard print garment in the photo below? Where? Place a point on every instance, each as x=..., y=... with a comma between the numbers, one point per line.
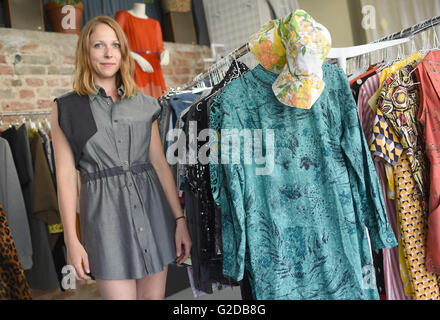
x=13, y=283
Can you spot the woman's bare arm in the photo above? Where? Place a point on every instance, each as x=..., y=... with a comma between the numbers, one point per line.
x=163, y=170
x=67, y=189
x=165, y=175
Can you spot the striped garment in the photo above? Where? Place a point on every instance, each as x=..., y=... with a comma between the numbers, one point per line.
x=393, y=280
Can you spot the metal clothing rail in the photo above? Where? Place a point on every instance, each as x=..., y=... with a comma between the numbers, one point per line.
x=25, y=113
x=234, y=55
x=412, y=31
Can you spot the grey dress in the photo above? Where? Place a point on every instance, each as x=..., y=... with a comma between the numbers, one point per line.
x=127, y=225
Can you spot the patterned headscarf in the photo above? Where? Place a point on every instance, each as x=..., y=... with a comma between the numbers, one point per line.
x=294, y=47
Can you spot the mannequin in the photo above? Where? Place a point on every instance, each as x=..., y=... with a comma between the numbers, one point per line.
x=138, y=11
x=144, y=35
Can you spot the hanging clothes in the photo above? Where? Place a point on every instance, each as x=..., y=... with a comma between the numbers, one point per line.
x=388, y=71
x=180, y=103
x=427, y=73
x=13, y=284
x=306, y=238
x=377, y=254
x=204, y=220
x=394, y=288
x=42, y=275
x=164, y=121
x=45, y=202
x=11, y=197
x=145, y=38
x=398, y=105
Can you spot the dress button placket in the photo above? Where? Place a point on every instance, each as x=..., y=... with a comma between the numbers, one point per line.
x=138, y=220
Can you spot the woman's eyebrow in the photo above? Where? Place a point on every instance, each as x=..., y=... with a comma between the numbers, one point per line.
x=98, y=40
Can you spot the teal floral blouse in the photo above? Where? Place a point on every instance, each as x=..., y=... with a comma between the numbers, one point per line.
x=301, y=231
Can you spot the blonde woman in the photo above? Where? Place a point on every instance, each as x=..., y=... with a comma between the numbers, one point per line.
x=132, y=224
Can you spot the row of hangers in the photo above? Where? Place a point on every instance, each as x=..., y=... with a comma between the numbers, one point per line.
x=430, y=42
x=43, y=125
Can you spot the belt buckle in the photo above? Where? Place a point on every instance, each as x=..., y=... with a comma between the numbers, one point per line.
x=125, y=166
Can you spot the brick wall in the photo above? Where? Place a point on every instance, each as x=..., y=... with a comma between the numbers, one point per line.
x=36, y=67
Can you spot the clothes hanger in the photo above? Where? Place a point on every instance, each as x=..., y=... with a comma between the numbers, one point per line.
x=341, y=54
x=435, y=40
x=47, y=124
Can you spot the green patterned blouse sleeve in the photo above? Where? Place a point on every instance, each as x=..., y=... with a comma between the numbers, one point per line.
x=363, y=178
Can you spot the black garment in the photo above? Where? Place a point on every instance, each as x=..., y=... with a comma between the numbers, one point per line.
x=76, y=120
x=205, y=273
x=197, y=175
x=204, y=220
x=245, y=287
x=18, y=154
x=59, y=257
x=164, y=121
x=377, y=254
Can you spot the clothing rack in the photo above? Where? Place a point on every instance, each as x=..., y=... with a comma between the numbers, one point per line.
x=412, y=31
x=244, y=49
x=234, y=55
x=25, y=113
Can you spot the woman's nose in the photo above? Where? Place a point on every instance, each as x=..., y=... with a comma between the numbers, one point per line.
x=108, y=52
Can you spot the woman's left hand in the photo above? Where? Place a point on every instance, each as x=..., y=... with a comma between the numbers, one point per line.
x=183, y=241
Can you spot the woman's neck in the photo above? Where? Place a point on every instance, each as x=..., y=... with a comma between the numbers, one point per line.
x=139, y=10
x=108, y=86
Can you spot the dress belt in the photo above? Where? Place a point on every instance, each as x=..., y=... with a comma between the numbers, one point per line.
x=115, y=171
x=147, y=52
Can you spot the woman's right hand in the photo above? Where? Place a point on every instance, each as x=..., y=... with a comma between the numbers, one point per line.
x=77, y=257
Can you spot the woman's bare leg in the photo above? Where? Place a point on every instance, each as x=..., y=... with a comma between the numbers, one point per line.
x=152, y=287
x=117, y=289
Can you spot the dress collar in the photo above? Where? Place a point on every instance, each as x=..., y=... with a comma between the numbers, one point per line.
x=102, y=93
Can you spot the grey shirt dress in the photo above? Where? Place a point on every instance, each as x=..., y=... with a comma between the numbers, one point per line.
x=127, y=225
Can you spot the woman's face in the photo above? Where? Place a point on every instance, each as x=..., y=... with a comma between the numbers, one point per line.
x=105, y=53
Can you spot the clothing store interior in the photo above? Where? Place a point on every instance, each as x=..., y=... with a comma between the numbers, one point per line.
x=316, y=202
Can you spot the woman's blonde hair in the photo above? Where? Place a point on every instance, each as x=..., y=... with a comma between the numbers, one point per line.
x=83, y=78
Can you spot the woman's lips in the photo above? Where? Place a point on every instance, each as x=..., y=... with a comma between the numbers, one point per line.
x=107, y=64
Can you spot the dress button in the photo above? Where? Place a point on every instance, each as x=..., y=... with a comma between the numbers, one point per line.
x=135, y=206
x=119, y=141
x=141, y=229
x=145, y=250
x=115, y=121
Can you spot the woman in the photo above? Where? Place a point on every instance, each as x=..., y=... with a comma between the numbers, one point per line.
x=132, y=224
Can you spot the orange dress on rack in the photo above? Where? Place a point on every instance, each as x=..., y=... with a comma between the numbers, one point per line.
x=145, y=38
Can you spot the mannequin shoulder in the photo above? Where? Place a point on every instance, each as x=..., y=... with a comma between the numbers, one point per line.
x=121, y=16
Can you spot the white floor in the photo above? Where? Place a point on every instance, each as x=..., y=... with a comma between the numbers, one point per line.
x=224, y=294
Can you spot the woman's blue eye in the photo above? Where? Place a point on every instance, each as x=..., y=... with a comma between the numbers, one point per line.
x=117, y=45
x=97, y=45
